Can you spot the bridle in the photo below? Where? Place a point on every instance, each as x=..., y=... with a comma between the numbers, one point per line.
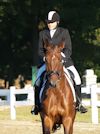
x=56, y=72
x=50, y=73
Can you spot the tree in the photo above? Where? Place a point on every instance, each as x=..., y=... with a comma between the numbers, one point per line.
x=20, y=22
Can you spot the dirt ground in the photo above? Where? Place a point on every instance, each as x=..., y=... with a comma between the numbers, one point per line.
x=28, y=127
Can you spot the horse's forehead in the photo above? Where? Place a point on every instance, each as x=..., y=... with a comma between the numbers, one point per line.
x=53, y=53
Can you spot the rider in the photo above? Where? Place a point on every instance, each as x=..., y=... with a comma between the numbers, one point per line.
x=55, y=34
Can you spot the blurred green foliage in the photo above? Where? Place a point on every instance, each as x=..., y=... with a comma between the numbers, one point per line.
x=20, y=22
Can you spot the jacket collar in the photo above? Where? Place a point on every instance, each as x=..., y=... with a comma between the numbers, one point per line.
x=56, y=32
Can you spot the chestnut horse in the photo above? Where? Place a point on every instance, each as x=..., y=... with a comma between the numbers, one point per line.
x=57, y=101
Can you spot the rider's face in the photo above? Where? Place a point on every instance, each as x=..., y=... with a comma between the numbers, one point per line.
x=53, y=25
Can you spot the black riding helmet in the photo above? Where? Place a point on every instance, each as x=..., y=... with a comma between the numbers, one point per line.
x=53, y=16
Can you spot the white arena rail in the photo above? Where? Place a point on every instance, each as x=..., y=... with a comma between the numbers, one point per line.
x=5, y=93
x=14, y=103
x=95, y=103
x=87, y=91
x=11, y=100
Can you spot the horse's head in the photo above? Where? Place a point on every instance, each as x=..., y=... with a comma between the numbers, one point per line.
x=53, y=61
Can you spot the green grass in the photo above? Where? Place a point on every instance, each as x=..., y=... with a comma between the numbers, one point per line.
x=84, y=117
x=23, y=113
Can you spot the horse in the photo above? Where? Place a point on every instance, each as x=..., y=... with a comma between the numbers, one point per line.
x=57, y=101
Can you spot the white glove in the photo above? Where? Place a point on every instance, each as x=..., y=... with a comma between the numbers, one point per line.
x=43, y=58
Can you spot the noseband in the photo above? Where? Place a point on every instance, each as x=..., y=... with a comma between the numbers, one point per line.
x=50, y=73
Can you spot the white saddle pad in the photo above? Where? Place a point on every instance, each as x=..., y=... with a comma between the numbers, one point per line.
x=70, y=83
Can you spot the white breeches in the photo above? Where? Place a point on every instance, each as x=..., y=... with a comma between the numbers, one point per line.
x=77, y=78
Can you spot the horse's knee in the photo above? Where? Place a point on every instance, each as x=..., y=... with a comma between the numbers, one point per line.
x=68, y=125
x=48, y=123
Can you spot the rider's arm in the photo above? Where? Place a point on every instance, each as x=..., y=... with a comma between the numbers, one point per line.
x=68, y=46
x=41, y=49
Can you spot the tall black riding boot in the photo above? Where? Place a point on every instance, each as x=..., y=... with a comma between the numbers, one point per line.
x=36, y=109
x=79, y=106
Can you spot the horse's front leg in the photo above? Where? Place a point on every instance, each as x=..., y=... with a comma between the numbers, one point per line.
x=47, y=125
x=68, y=126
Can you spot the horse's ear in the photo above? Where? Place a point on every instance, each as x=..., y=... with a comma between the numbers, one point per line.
x=62, y=45
x=47, y=46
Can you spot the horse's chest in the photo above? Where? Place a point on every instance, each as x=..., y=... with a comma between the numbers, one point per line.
x=55, y=100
